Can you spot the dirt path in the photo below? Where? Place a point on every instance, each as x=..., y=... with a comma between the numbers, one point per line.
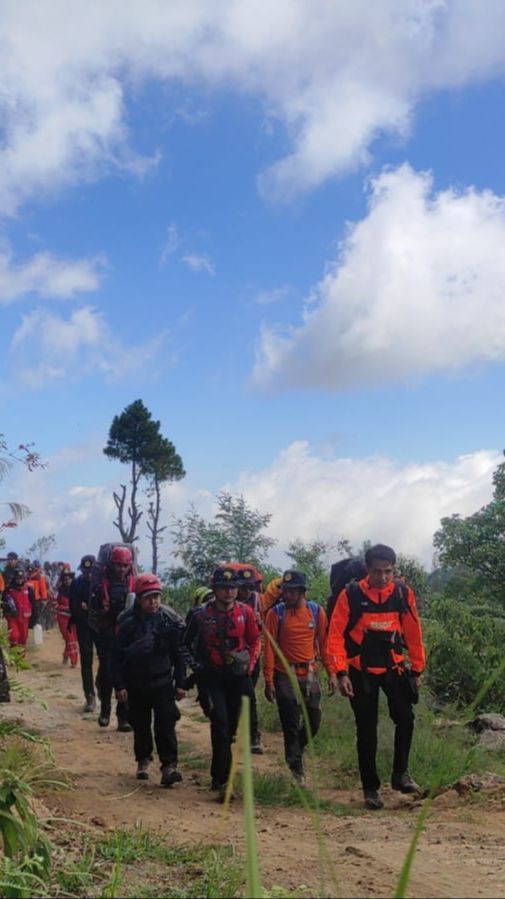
x=462, y=852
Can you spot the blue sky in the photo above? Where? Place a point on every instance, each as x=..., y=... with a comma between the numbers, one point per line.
x=282, y=229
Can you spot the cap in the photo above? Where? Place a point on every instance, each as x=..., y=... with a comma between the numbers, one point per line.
x=87, y=562
x=294, y=578
x=224, y=577
x=147, y=584
x=247, y=577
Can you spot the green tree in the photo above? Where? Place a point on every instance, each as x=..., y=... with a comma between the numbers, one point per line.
x=416, y=577
x=242, y=528
x=41, y=548
x=163, y=466
x=476, y=544
x=133, y=437
x=311, y=558
x=235, y=534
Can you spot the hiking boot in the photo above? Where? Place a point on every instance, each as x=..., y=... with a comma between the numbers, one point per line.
x=373, y=800
x=404, y=783
x=143, y=769
x=221, y=796
x=104, y=719
x=256, y=747
x=90, y=704
x=298, y=776
x=170, y=776
x=124, y=727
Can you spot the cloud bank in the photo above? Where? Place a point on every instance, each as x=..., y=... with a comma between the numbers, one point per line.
x=309, y=496
x=334, y=81
x=418, y=287
x=370, y=498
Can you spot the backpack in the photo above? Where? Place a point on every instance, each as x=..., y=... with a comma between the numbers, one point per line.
x=280, y=611
x=101, y=565
x=341, y=573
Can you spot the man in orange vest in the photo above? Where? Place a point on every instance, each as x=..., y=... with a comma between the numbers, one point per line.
x=372, y=621
x=299, y=627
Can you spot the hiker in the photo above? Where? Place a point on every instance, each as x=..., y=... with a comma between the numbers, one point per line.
x=149, y=672
x=372, y=620
x=67, y=628
x=199, y=596
x=37, y=581
x=12, y=564
x=19, y=608
x=224, y=639
x=299, y=627
x=107, y=603
x=5, y=692
x=249, y=583
x=81, y=593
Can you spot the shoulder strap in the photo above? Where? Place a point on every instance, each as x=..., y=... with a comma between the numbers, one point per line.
x=403, y=593
x=280, y=610
x=314, y=610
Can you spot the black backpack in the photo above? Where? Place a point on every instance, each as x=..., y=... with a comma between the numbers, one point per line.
x=341, y=573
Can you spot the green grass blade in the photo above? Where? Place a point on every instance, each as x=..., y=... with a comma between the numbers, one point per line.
x=252, y=865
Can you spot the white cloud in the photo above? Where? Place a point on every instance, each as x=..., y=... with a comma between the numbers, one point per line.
x=46, y=276
x=310, y=496
x=199, y=263
x=275, y=295
x=371, y=498
x=171, y=245
x=334, y=80
x=419, y=287
x=49, y=347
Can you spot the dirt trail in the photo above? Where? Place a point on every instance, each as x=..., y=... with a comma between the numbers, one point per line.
x=461, y=854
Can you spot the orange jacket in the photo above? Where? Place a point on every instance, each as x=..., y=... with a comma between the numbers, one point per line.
x=39, y=586
x=271, y=595
x=406, y=623
x=297, y=637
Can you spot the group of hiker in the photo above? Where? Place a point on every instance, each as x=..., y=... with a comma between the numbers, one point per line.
x=149, y=657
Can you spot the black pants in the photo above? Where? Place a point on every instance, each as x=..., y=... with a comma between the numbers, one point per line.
x=86, y=639
x=5, y=695
x=365, y=706
x=224, y=694
x=159, y=703
x=255, y=731
x=292, y=718
x=103, y=643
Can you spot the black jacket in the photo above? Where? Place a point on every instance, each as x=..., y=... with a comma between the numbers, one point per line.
x=81, y=591
x=147, y=651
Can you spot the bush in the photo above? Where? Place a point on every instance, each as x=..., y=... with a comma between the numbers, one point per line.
x=465, y=649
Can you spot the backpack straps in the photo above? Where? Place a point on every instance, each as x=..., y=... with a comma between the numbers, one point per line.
x=355, y=597
x=280, y=611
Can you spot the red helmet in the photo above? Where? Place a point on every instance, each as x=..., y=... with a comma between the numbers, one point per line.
x=121, y=555
x=147, y=583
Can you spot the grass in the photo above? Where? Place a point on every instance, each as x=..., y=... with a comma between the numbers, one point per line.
x=452, y=751
x=197, y=870
x=137, y=862
x=280, y=790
